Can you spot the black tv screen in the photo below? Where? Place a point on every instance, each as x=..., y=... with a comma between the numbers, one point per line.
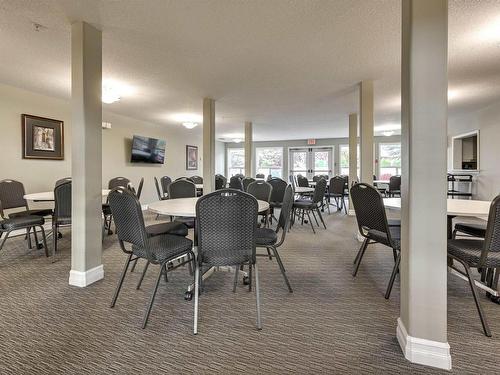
x=148, y=150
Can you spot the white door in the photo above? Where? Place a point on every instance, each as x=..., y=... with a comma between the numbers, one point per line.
x=310, y=162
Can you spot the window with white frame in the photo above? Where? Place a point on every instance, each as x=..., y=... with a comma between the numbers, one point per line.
x=344, y=160
x=389, y=160
x=269, y=161
x=235, y=161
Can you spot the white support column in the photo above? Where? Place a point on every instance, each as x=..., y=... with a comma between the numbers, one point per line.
x=366, y=131
x=208, y=145
x=86, y=155
x=353, y=153
x=422, y=326
x=248, y=149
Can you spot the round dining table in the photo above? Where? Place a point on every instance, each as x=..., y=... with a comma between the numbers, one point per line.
x=455, y=207
x=185, y=207
x=48, y=196
x=302, y=190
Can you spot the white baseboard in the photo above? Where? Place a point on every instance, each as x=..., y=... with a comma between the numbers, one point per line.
x=422, y=351
x=83, y=279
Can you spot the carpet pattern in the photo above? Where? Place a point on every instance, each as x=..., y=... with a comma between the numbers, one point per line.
x=332, y=323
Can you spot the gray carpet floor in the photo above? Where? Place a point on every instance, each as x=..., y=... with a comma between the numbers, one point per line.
x=332, y=323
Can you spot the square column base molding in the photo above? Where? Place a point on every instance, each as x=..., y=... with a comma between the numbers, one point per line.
x=422, y=351
x=83, y=279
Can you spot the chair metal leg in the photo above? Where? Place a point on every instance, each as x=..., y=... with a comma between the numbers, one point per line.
x=364, y=244
x=360, y=257
x=269, y=254
x=257, y=296
x=28, y=234
x=44, y=239
x=282, y=268
x=120, y=282
x=196, y=293
x=321, y=218
x=236, y=273
x=250, y=277
x=482, y=315
x=4, y=239
x=54, y=240
x=143, y=274
x=152, y=298
x=166, y=273
x=133, y=265
x=35, y=235
x=315, y=219
x=344, y=205
x=309, y=217
x=393, y=276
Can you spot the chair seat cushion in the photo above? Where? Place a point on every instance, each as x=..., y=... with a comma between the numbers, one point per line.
x=174, y=228
x=275, y=204
x=381, y=237
x=476, y=230
x=188, y=221
x=21, y=222
x=41, y=212
x=303, y=203
x=469, y=251
x=164, y=247
x=266, y=236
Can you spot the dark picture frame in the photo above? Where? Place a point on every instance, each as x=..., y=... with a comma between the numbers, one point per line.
x=191, y=158
x=43, y=138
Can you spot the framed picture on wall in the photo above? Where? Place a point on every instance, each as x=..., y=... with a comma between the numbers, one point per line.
x=43, y=138
x=191, y=158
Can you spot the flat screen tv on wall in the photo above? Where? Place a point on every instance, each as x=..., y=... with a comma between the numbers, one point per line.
x=147, y=150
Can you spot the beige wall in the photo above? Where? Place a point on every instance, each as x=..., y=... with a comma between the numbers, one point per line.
x=487, y=120
x=40, y=175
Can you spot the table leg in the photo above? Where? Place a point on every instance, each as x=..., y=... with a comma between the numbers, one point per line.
x=450, y=226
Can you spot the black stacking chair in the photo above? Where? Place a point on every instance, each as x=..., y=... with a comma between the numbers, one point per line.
x=226, y=222
x=62, y=211
x=316, y=178
x=268, y=238
x=394, y=186
x=12, y=198
x=165, y=181
x=139, y=188
x=260, y=175
x=240, y=176
x=247, y=181
x=470, y=229
x=336, y=191
x=235, y=183
x=26, y=222
x=159, y=250
x=182, y=189
x=302, y=181
x=305, y=206
x=373, y=226
x=483, y=255
x=277, y=195
x=62, y=180
x=220, y=182
x=108, y=218
x=197, y=179
x=158, y=191
x=261, y=190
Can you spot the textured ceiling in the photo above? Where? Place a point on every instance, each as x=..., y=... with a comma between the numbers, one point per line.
x=291, y=67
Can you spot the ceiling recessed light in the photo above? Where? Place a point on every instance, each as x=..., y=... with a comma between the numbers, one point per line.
x=387, y=127
x=112, y=91
x=490, y=32
x=388, y=134
x=237, y=140
x=189, y=125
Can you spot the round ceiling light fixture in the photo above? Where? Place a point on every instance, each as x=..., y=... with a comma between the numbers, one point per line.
x=190, y=125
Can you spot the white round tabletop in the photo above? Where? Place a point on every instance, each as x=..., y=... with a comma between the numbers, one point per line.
x=185, y=207
x=381, y=182
x=456, y=207
x=302, y=190
x=48, y=196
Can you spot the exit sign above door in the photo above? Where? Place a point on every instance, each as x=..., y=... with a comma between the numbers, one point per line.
x=311, y=141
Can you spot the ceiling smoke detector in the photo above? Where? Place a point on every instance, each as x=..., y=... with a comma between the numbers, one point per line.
x=38, y=27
